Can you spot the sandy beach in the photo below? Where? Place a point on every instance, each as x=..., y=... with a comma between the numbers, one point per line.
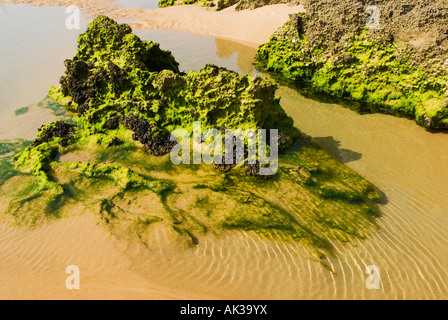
x=251, y=27
x=33, y=261
x=410, y=246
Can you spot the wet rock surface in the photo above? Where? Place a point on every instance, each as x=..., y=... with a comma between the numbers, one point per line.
x=253, y=4
x=58, y=129
x=387, y=56
x=126, y=83
x=419, y=25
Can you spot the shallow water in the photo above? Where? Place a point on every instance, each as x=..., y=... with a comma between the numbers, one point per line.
x=193, y=51
x=35, y=43
x=408, y=164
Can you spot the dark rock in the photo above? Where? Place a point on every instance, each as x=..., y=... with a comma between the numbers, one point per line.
x=58, y=129
x=141, y=128
x=112, y=123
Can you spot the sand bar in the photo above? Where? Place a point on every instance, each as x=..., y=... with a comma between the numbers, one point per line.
x=252, y=27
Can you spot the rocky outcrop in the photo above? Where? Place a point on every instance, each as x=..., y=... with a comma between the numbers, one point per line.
x=127, y=95
x=253, y=4
x=58, y=129
x=222, y=4
x=117, y=82
x=419, y=25
x=386, y=55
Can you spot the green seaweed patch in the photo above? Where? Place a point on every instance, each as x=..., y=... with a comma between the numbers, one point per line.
x=112, y=158
x=8, y=149
x=21, y=111
x=197, y=200
x=57, y=108
x=203, y=3
x=123, y=177
x=362, y=74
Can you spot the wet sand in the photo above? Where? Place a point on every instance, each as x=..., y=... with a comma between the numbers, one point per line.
x=251, y=27
x=407, y=163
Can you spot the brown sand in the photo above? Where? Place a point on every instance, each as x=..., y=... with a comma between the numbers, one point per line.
x=410, y=249
x=33, y=261
x=252, y=27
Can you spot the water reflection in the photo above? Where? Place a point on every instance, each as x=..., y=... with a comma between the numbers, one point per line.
x=193, y=51
x=244, y=54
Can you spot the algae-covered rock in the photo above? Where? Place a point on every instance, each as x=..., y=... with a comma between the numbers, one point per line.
x=222, y=4
x=112, y=160
x=395, y=65
x=169, y=3
x=107, y=41
x=253, y=4
x=59, y=129
x=111, y=82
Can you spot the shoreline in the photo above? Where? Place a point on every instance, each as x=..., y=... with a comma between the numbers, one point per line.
x=249, y=27
x=131, y=284
x=411, y=233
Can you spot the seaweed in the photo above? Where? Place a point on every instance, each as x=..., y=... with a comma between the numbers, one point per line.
x=112, y=157
x=363, y=73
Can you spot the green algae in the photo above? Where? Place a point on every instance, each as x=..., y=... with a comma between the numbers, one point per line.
x=364, y=74
x=103, y=161
x=8, y=149
x=132, y=192
x=169, y=3
x=21, y=111
x=198, y=200
x=222, y=4
x=58, y=109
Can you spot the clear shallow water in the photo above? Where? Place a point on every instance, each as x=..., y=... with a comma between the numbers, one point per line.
x=410, y=166
x=35, y=42
x=193, y=51
x=407, y=163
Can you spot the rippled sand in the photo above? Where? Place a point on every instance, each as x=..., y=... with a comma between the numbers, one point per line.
x=410, y=249
x=408, y=164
